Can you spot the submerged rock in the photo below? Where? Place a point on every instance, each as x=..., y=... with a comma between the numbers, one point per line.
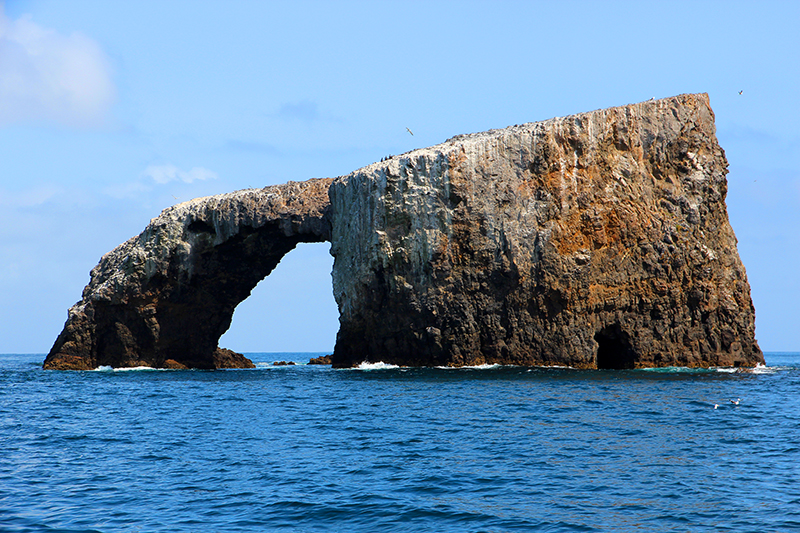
x=599, y=240
x=225, y=358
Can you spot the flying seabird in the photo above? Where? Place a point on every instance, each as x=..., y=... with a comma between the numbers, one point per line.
x=409, y=131
x=740, y=92
x=736, y=401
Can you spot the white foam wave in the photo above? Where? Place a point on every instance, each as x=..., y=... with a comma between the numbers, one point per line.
x=470, y=367
x=374, y=366
x=675, y=369
x=764, y=369
x=262, y=365
x=759, y=369
x=497, y=365
x=104, y=368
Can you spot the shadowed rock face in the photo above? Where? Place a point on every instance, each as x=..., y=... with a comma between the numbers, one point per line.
x=165, y=297
x=599, y=240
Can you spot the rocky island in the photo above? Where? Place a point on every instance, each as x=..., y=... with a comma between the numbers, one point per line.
x=598, y=240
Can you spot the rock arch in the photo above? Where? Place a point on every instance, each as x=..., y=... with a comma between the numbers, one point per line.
x=164, y=297
x=595, y=240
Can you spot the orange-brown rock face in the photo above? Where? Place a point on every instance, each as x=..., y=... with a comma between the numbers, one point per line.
x=599, y=240
x=164, y=298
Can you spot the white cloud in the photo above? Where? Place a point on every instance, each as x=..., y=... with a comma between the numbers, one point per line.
x=163, y=174
x=46, y=76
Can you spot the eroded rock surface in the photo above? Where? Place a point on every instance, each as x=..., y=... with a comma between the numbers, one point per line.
x=166, y=296
x=599, y=240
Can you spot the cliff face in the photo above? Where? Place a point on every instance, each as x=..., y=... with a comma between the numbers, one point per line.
x=165, y=297
x=599, y=240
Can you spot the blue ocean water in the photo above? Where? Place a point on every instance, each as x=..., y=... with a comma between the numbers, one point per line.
x=308, y=448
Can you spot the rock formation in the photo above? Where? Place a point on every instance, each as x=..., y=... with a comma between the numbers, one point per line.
x=599, y=240
x=165, y=297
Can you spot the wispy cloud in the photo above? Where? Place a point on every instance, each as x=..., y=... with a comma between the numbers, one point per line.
x=46, y=76
x=163, y=174
x=305, y=110
x=156, y=176
x=251, y=146
x=33, y=197
x=132, y=189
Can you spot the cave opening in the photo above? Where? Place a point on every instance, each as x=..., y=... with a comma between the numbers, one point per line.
x=614, y=351
x=290, y=310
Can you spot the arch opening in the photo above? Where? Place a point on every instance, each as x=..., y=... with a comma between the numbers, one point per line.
x=614, y=351
x=292, y=309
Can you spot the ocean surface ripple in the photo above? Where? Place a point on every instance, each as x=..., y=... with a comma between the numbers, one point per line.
x=308, y=448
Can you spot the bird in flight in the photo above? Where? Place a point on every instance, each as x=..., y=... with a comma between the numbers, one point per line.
x=409, y=131
x=740, y=92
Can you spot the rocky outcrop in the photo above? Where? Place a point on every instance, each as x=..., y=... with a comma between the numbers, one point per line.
x=599, y=240
x=164, y=298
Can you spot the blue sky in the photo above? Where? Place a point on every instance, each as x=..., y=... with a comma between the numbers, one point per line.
x=112, y=111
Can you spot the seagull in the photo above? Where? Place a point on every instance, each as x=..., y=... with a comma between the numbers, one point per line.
x=716, y=405
x=740, y=92
x=736, y=401
x=409, y=131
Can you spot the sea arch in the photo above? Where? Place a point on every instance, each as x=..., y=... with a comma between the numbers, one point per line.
x=166, y=296
x=595, y=240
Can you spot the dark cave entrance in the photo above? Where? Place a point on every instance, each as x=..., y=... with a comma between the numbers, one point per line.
x=614, y=350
